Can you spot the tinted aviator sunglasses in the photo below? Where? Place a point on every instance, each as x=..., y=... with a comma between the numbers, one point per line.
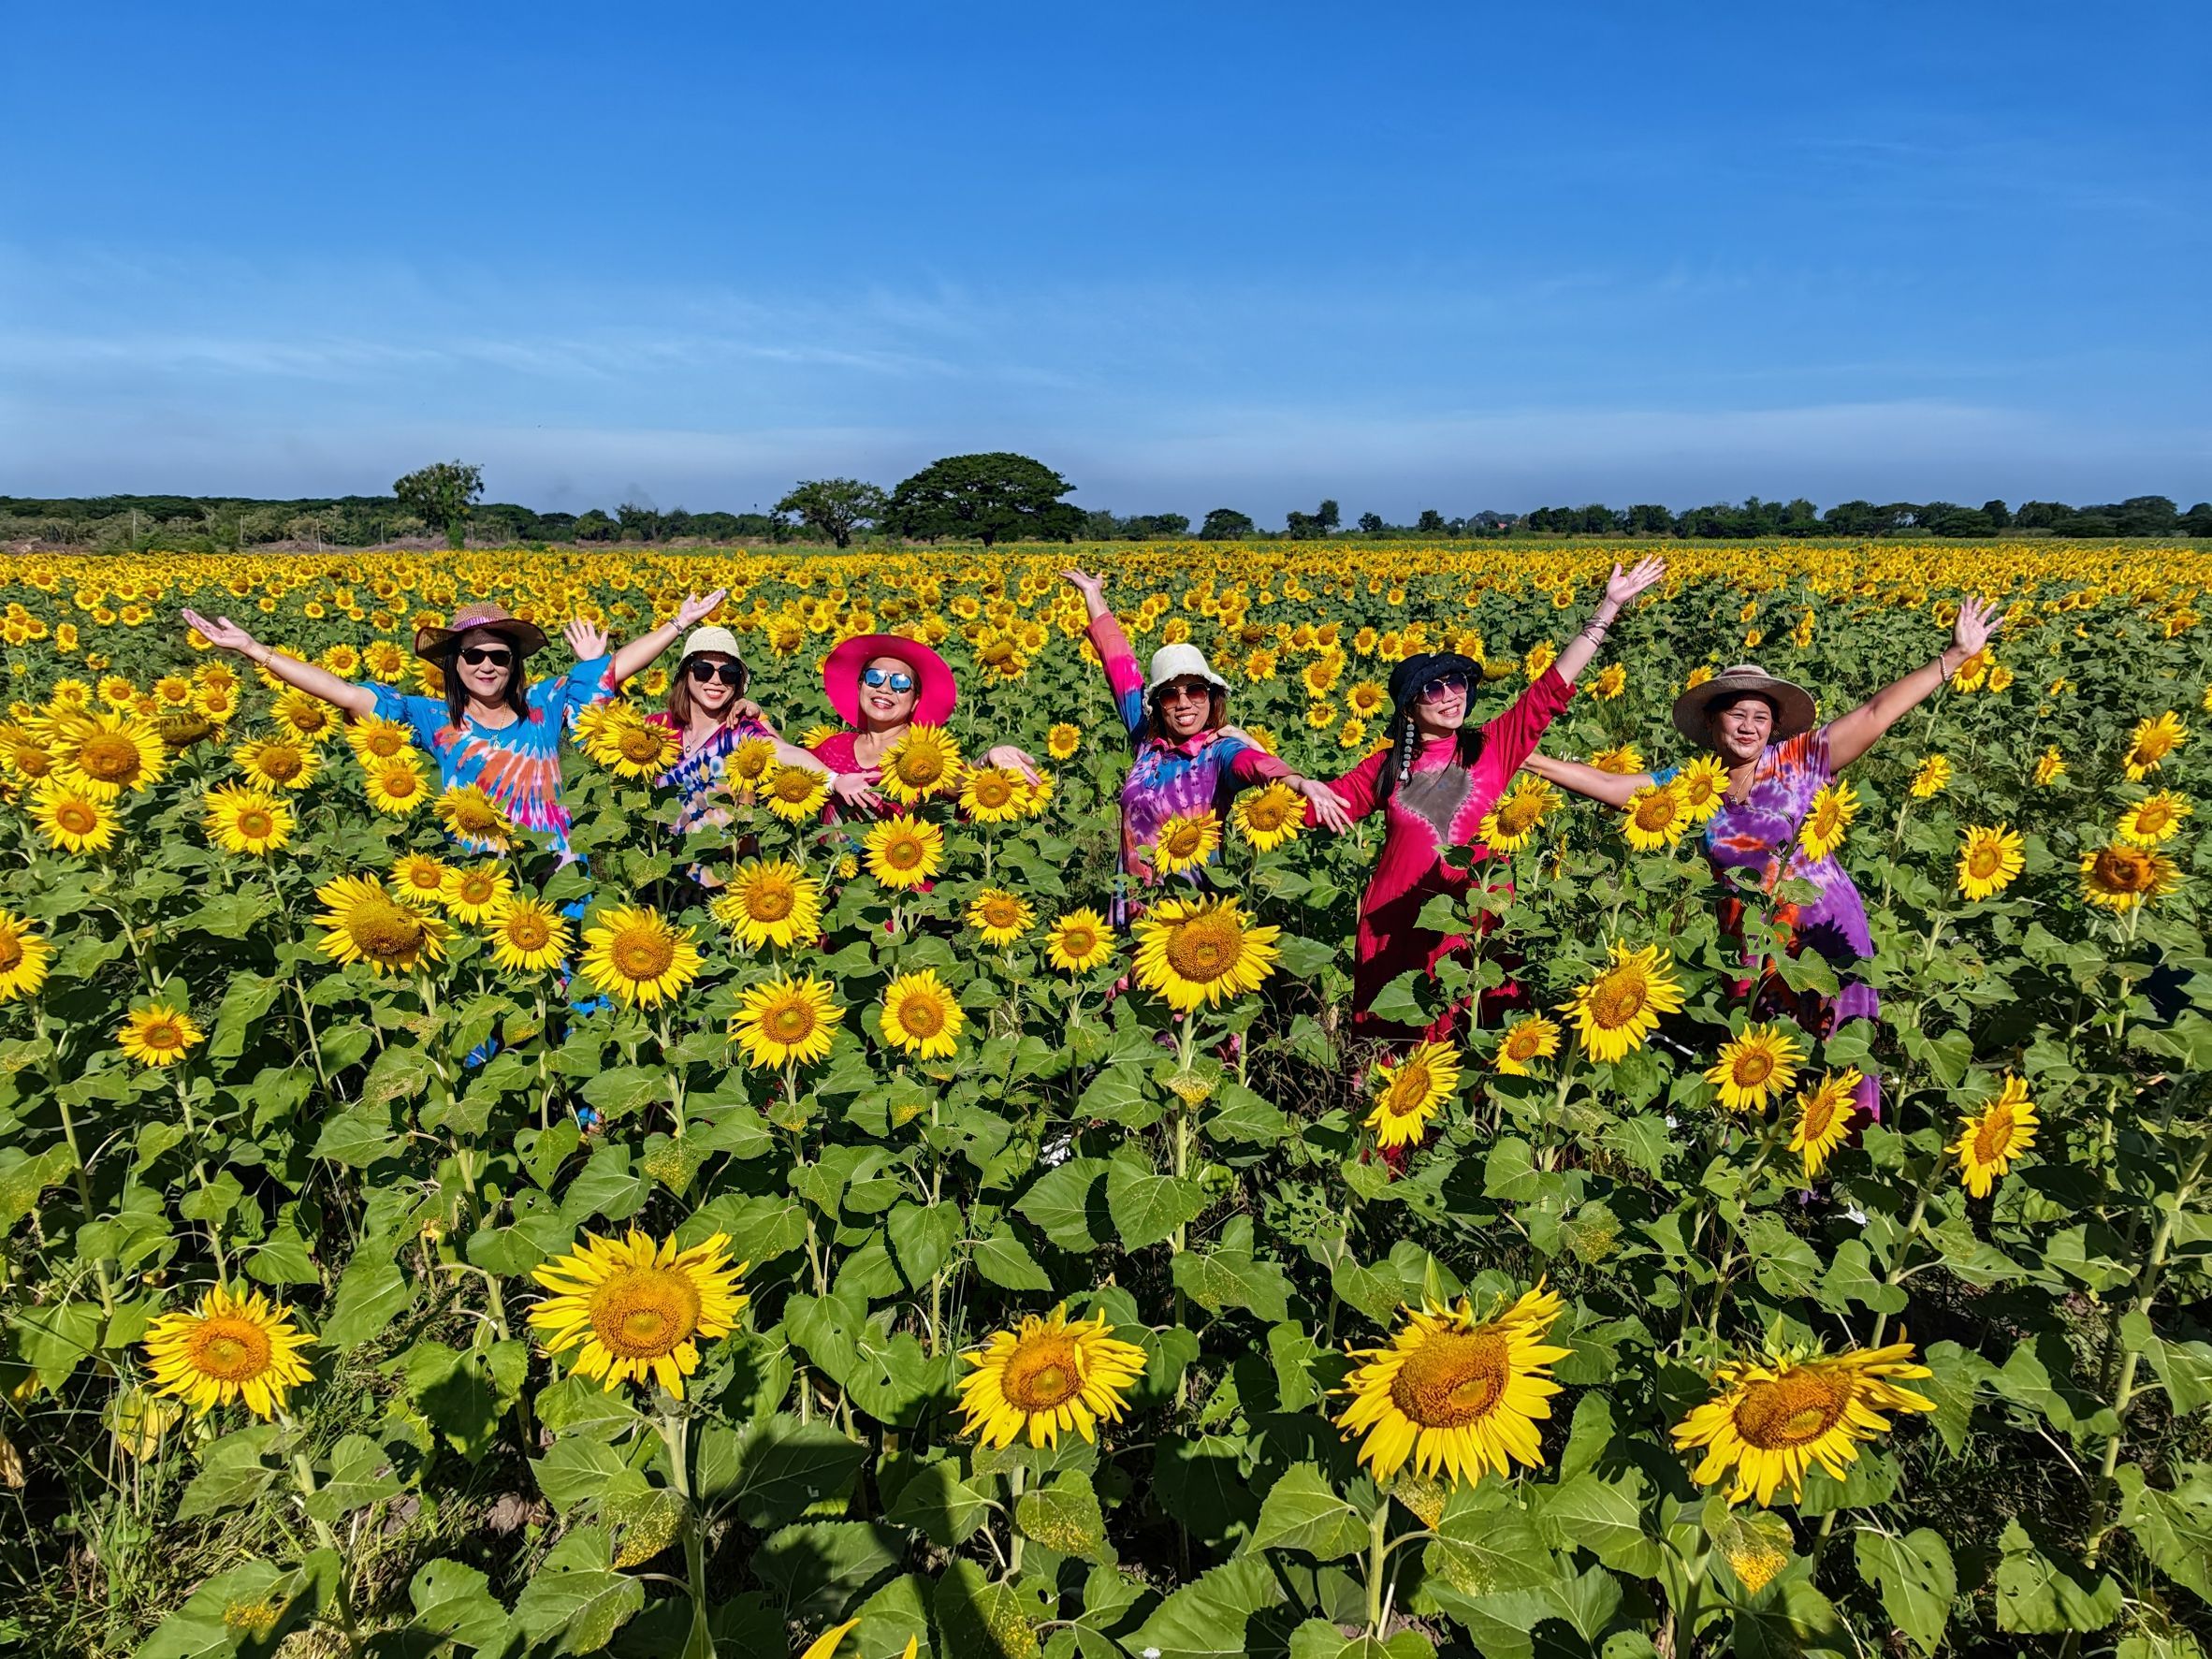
x=877, y=678
x=1437, y=689
x=730, y=673
x=498, y=656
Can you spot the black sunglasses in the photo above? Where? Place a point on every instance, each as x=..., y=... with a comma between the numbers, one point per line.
x=477, y=655
x=730, y=673
x=875, y=679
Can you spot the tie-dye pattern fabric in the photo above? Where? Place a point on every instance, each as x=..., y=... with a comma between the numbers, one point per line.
x=1759, y=835
x=516, y=765
x=1201, y=773
x=697, y=773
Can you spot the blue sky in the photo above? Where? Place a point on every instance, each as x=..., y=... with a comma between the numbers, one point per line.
x=1192, y=255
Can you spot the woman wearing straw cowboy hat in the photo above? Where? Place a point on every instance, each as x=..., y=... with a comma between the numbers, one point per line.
x=881, y=684
x=1433, y=781
x=493, y=728
x=1762, y=729
x=1186, y=759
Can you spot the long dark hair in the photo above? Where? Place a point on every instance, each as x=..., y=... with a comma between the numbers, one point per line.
x=517, y=695
x=680, y=707
x=1216, y=714
x=1402, y=741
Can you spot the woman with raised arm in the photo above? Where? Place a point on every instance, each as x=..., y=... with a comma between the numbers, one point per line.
x=883, y=685
x=1188, y=759
x=1435, y=780
x=1761, y=731
x=493, y=729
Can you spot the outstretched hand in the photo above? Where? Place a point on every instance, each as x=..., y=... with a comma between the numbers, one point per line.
x=586, y=638
x=1976, y=621
x=854, y=790
x=220, y=632
x=697, y=606
x=1006, y=754
x=1329, y=808
x=1090, y=587
x=1621, y=588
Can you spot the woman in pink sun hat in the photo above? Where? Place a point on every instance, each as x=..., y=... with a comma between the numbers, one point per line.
x=881, y=685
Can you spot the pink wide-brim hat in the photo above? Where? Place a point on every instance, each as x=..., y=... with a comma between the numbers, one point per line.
x=933, y=691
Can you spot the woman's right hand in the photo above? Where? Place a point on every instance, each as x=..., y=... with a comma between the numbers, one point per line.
x=222, y=633
x=852, y=789
x=1093, y=589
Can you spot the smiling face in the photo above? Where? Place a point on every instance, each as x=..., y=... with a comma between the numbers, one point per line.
x=1184, y=705
x=486, y=681
x=1441, y=706
x=1741, y=728
x=708, y=676
x=882, y=704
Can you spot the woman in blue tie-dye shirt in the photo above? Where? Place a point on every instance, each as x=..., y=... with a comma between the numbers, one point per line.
x=1186, y=759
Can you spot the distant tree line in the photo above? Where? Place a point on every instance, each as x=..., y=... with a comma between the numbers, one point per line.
x=990, y=498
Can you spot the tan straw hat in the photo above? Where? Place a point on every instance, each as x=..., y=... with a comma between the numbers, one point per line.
x=493, y=617
x=1792, y=704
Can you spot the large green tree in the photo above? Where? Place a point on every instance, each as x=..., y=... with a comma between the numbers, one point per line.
x=993, y=497
x=836, y=507
x=441, y=494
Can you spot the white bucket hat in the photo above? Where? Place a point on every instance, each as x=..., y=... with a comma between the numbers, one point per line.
x=1179, y=661
x=713, y=638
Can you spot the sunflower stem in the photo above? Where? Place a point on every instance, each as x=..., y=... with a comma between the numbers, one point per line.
x=83, y=1178
x=700, y=1644
x=1013, y=1532
x=1378, y=1527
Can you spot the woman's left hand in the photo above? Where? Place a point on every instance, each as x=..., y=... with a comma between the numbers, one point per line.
x=698, y=605
x=1006, y=754
x=1328, y=805
x=1621, y=588
x=586, y=638
x=1976, y=621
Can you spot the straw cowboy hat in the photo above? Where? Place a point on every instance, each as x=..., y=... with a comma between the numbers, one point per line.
x=933, y=691
x=492, y=618
x=1792, y=704
x=1173, y=663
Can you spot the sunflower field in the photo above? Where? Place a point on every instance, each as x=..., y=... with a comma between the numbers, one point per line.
x=843, y=1240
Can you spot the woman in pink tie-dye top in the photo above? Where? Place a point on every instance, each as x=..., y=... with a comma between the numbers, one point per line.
x=1185, y=760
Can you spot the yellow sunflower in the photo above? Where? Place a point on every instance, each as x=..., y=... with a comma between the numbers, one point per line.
x=632, y=953
x=993, y=795
x=770, y=902
x=1772, y=1418
x=1623, y=762
x=419, y=878
x=748, y=762
x=1507, y=826
x=2049, y=768
x=1824, y=1113
x=529, y=936
x=376, y=738
x=636, y=1310
x=1077, y=941
x=921, y=1015
x=72, y=820
x=1756, y=1067
x=363, y=923
x=999, y=916
x=1655, y=818
x=158, y=1036
x=475, y=819
x=1411, y=1092
x=1526, y=1040
x=1455, y=1395
x=2155, y=817
x=1988, y=860
x=1194, y=953
x=24, y=954
x=1617, y=1009
x=1703, y=784
x=1184, y=841
x=1269, y=816
x=308, y=717
x=795, y=794
x=1063, y=740
x=1611, y=682
x=105, y=754
x=1834, y=807
x=925, y=762
x=637, y=748
x=1992, y=1138
x=1047, y=1375
x=277, y=762
x=2153, y=740
x=2120, y=876
x=230, y=1347
x=25, y=756
x=395, y=787
x=247, y=821
x=476, y=893
x=904, y=851
x=1932, y=779
x=784, y=1021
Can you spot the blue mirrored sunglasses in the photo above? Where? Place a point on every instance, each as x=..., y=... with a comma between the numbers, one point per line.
x=877, y=678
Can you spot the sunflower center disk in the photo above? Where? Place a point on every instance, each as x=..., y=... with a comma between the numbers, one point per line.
x=644, y=955
x=1044, y=1373
x=230, y=1350
x=1203, y=950
x=1453, y=1380
x=1791, y=1410
x=644, y=1313
x=109, y=757
x=1754, y=1068
x=789, y=1021
x=1655, y=813
x=1616, y=999
x=11, y=951
x=922, y=1016
x=385, y=931
x=1994, y=1136
x=529, y=932
x=1981, y=864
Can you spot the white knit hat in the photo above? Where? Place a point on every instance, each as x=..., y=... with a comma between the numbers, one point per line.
x=1179, y=661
